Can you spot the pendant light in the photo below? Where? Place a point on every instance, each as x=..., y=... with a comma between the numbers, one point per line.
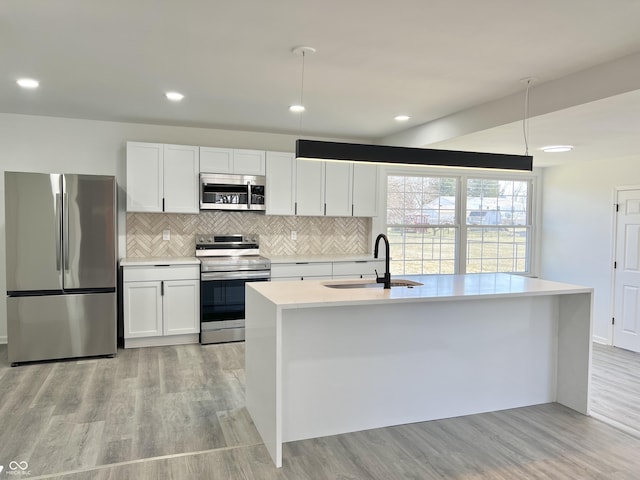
x=355, y=152
x=303, y=52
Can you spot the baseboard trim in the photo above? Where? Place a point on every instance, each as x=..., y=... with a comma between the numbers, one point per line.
x=162, y=341
x=601, y=340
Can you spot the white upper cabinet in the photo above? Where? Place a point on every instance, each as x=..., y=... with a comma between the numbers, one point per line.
x=216, y=160
x=181, y=179
x=162, y=178
x=281, y=183
x=365, y=190
x=229, y=160
x=338, y=189
x=310, y=177
x=144, y=177
x=317, y=188
x=249, y=162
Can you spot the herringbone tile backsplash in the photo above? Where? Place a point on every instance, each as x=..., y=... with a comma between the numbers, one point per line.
x=316, y=235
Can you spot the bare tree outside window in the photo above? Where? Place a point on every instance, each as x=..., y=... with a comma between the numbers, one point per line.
x=425, y=234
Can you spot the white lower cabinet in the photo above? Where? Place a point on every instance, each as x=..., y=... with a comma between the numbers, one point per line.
x=358, y=269
x=301, y=271
x=161, y=305
x=326, y=270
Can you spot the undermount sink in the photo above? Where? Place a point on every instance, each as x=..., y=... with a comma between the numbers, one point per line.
x=360, y=284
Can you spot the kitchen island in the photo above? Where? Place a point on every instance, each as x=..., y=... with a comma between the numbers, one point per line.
x=323, y=361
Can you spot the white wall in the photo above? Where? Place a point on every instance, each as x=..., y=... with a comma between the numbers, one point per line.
x=49, y=144
x=577, y=228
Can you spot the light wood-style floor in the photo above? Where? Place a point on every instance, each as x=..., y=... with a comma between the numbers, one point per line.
x=615, y=386
x=178, y=413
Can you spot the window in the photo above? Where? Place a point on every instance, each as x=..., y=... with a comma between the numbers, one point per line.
x=421, y=224
x=497, y=230
x=428, y=236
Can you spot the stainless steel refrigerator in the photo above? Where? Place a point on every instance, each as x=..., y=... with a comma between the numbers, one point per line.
x=61, y=265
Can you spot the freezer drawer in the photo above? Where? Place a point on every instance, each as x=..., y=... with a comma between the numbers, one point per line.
x=61, y=326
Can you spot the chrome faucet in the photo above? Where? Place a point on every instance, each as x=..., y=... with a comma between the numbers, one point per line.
x=387, y=275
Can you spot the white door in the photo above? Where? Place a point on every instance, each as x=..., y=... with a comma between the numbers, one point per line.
x=309, y=188
x=337, y=190
x=144, y=177
x=365, y=190
x=142, y=309
x=626, y=327
x=181, y=307
x=181, y=179
x=216, y=160
x=281, y=183
x=248, y=162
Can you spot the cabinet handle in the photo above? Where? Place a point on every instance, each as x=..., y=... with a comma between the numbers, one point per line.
x=295, y=208
x=352, y=209
x=162, y=288
x=163, y=204
x=325, y=209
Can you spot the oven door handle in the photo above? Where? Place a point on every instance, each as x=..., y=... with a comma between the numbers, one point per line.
x=204, y=276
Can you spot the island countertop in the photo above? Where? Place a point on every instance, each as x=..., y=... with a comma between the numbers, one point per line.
x=307, y=294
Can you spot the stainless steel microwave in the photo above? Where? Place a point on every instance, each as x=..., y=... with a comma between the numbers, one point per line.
x=232, y=192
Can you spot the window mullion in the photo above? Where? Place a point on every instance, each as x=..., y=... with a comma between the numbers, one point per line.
x=461, y=208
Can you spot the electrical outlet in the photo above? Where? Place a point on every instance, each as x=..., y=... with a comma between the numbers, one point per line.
x=294, y=235
x=166, y=235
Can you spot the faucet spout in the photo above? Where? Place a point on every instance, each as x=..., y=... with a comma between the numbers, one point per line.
x=386, y=279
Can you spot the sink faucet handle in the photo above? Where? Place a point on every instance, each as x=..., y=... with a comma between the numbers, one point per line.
x=376, y=270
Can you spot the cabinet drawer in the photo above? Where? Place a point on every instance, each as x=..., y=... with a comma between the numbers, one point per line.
x=301, y=278
x=301, y=270
x=172, y=272
x=358, y=268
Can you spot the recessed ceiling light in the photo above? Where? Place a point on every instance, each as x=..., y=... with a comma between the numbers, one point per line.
x=557, y=148
x=401, y=118
x=174, y=96
x=296, y=108
x=28, y=83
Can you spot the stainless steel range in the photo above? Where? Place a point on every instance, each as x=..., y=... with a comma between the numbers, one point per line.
x=228, y=262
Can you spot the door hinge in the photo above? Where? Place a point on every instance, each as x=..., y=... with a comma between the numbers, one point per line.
x=613, y=320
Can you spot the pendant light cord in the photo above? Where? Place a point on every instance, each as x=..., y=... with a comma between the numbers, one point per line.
x=301, y=95
x=525, y=119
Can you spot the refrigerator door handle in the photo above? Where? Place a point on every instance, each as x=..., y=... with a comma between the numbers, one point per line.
x=58, y=231
x=65, y=233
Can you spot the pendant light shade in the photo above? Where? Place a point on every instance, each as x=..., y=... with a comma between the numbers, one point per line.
x=355, y=152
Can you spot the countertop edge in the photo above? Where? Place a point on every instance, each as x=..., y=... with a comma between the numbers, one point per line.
x=152, y=261
x=324, y=297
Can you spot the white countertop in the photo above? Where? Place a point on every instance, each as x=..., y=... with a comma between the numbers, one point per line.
x=321, y=258
x=314, y=293
x=151, y=261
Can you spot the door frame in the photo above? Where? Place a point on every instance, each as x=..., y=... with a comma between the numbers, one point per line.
x=614, y=242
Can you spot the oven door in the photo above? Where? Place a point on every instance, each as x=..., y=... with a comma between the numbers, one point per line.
x=222, y=304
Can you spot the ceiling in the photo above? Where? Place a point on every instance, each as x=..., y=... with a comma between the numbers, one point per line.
x=114, y=60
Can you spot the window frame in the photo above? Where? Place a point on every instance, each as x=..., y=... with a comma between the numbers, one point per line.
x=462, y=178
